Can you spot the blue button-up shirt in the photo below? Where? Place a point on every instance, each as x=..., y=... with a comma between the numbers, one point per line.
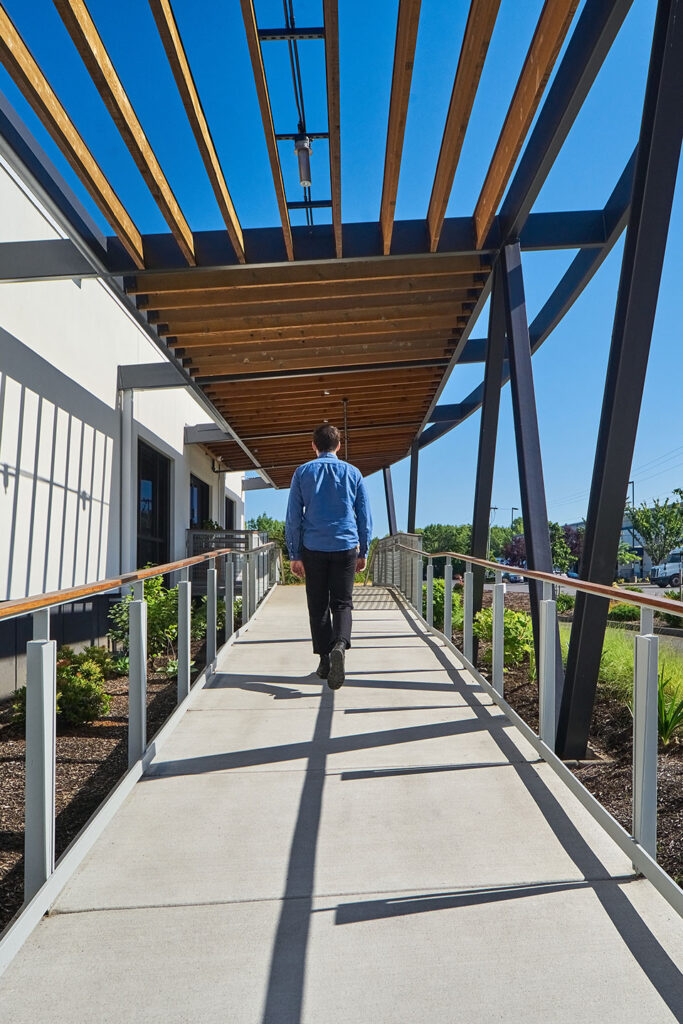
x=328, y=508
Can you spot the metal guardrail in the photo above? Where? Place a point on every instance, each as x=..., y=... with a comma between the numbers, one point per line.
x=400, y=565
x=259, y=574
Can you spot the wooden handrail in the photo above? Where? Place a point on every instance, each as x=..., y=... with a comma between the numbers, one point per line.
x=23, y=605
x=664, y=604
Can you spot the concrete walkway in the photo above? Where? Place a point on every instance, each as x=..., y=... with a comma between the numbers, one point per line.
x=392, y=852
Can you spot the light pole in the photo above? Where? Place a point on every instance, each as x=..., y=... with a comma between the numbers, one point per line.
x=493, y=508
x=632, y=485
x=512, y=516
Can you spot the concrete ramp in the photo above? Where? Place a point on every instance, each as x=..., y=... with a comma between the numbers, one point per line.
x=391, y=852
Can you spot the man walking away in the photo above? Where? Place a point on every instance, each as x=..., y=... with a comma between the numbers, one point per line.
x=328, y=530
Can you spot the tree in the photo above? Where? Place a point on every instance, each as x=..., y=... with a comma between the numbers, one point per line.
x=514, y=551
x=660, y=526
x=574, y=538
x=560, y=550
x=441, y=537
x=275, y=528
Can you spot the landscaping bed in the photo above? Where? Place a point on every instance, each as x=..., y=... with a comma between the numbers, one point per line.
x=90, y=761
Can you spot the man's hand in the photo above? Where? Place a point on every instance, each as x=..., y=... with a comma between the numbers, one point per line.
x=297, y=568
x=360, y=564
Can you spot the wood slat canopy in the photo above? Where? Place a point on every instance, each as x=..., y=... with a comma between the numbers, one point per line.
x=371, y=313
x=367, y=319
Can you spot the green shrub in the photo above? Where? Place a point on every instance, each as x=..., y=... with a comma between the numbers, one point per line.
x=438, y=594
x=198, y=624
x=66, y=656
x=122, y=666
x=81, y=697
x=237, y=612
x=162, y=618
x=670, y=708
x=170, y=669
x=80, y=694
x=518, y=637
x=635, y=590
x=624, y=613
x=669, y=618
x=565, y=602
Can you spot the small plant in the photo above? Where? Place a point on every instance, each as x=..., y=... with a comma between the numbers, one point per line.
x=669, y=707
x=636, y=590
x=170, y=669
x=162, y=618
x=81, y=697
x=565, y=602
x=19, y=706
x=624, y=612
x=518, y=637
x=438, y=594
x=237, y=612
x=122, y=666
x=198, y=625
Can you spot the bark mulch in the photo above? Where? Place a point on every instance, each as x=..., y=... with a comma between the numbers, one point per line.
x=90, y=761
x=608, y=775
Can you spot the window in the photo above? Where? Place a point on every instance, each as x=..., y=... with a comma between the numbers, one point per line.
x=154, y=513
x=199, y=503
x=230, y=506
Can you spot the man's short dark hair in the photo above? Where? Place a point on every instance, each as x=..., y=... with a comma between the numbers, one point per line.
x=326, y=437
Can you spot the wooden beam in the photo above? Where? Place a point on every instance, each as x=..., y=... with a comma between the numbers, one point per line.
x=177, y=58
x=256, y=57
x=552, y=27
x=418, y=325
x=331, y=21
x=376, y=268
x=315, y=351
x=191, y=322
x=35, y=88
x=398, y=289
x=408, y=300
x=208, y=369
x=404, y=56
x=81, y=28
x=475, y=44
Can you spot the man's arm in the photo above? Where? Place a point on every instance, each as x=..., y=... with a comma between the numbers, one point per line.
x=363, y=517
x=295, y=511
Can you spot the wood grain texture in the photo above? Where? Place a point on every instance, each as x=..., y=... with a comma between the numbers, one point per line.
x=552, y=27
x=404, y=56
x=177, y=58
x=478, y=30
x=35, y=88
x=88, y=42
x=331, y=22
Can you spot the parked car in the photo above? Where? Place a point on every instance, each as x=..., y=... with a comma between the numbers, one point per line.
x=513, y=577
x=573, y=575
x=668, y=573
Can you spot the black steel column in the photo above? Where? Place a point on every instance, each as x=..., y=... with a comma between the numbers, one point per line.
x=654, y=183
x=412, y=490
x=488, y=432
x=530, y=465
x=389, y=493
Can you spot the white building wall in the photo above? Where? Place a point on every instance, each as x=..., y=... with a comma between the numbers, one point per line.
x=60, y=428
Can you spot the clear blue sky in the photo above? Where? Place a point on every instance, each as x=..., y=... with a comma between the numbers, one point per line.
x=569, y=369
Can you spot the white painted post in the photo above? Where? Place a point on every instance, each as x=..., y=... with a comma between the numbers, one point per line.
x=498, y=653
x=229, y=598
x=246, y=609
x=126, y=458
x=41, y=624
x=417, y=583
x=547, y=591
x=647, y=621
x=253, y=594
x=448, y=599
x=137, y=680
x=184, y=633
x=430, y=592
x=41, y=707
x=546, y=672
x=211, y=612
x=468, y=612
x=645, y=713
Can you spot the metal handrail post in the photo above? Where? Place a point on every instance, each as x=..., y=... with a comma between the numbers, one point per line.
x=448, y=598
x=41, y=624
x=211, y=612
x=498, y=638
x=645, y=713
x=647, y=620
x=246, y=610
x=41, y=713
x=468, y=612
x=253, y=595
x=184, y=633
x=137, y=680
x=546, y=671
x=229, y=598
x=417, y=583
x=430, y=593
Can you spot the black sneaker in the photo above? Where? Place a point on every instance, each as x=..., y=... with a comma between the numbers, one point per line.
x=323, y=669
x=335, y=678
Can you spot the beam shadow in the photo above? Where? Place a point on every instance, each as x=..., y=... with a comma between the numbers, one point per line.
x=645, y=948
x=388, y=773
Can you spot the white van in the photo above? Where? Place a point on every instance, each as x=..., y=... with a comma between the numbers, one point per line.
x=668, y=574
